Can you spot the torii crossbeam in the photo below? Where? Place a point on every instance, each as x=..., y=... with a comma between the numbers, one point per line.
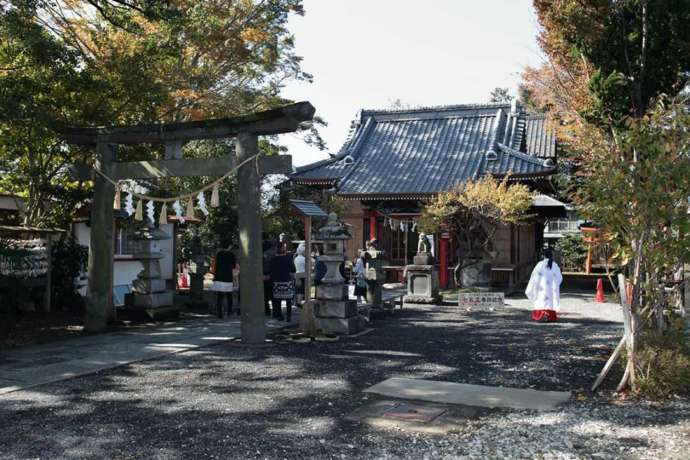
x=246, y=129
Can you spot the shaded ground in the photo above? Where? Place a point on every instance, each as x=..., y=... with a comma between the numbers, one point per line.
x=39, y=327
x=290, y=401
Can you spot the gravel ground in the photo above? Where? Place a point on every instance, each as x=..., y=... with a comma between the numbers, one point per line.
x=290, y=401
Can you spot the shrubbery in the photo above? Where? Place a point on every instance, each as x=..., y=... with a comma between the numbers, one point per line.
x=663, y=363
x=69, y=260
x=572, y=251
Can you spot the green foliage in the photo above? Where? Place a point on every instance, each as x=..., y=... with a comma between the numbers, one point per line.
x=102, y=62
x=500, y=95
x=573, y=252
x=663, y=363
x=282, y=219
x=474, y=209
x=637, y=190
x=626, y=63
x=69, y=260
x=637, y=50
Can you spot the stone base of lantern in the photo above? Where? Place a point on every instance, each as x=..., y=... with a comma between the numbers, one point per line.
x=344, y=326
x=335, y=313
x=336, y=309
x=331, y=291
x=422, y=284
x=158, y=305
x=155, y=300
x=141, y=285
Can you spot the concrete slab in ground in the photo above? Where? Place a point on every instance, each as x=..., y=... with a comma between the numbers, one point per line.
x=416, y=416
x=34, y=365
x=470, y=395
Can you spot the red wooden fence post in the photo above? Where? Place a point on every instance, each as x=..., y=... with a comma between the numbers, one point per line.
x=372, y=224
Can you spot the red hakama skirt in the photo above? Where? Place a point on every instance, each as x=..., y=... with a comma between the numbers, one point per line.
x=546, y=316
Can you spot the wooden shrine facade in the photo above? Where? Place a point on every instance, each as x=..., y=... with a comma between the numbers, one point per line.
x=396, y=160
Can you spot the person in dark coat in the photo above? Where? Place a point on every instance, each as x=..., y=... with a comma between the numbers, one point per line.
x=282, y=271
x=223, y=266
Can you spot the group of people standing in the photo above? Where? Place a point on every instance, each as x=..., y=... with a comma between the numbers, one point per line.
x=279, y=280
x=283, y=278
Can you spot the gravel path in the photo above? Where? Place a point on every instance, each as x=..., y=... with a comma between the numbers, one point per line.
x=290, y=401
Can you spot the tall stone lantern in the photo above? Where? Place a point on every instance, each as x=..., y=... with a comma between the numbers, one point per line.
x=149, y=290
x=335, y=313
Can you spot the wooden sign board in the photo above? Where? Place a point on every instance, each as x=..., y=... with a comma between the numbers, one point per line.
x=481, y=300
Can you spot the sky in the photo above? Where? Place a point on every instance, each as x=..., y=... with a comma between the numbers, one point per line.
x=366, y=54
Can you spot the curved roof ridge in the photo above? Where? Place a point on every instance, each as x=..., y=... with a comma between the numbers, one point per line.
x=437, y=108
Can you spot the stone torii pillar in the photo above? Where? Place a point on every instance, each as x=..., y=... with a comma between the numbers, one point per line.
x=246, y=129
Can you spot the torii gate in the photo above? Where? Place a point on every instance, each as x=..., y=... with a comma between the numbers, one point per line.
x=246, y=129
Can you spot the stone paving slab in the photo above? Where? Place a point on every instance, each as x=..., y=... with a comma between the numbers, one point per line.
x=34, y=365
x=469, y=395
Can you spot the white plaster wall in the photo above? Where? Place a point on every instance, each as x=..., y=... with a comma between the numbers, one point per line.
x=125, y=271
x=82, y=233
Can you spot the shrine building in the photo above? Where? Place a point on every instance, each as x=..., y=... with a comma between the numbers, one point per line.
x=394, y=161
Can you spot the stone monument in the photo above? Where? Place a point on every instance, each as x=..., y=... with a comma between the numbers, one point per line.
x=149, y=291
x=422, y=276
x=334, y=312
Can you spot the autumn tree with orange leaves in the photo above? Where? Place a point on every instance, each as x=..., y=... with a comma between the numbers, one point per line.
x=613, y=86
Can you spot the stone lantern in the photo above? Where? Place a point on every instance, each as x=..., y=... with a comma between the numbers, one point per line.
x=374, y=273
x=335, y=313
x=149, y=290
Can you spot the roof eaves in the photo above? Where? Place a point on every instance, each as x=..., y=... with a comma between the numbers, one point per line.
x=524, y=156
x=357, y=143
x=315, y=165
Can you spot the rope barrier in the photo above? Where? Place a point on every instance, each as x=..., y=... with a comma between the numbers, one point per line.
x=185, y=196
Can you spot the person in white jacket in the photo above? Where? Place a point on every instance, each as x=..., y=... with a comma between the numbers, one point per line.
x=544, y=289
x=300, y=269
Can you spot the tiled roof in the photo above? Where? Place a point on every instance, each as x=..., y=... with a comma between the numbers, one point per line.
x=424, y=151
x=540, y=141
x=516, y=163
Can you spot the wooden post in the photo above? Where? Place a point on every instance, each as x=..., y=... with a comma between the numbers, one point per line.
x=625, y=306
x=251, y=256
x=588, y=262
x=443, y=257
x=308, y=322
x=99, y=307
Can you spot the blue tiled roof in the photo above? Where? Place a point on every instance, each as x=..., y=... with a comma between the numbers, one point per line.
x=540, y=141
x=424, y=151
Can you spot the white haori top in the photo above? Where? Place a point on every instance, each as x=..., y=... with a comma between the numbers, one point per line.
x=544, y=288
x=300, y=260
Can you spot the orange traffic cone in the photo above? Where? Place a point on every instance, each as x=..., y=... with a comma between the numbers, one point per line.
x=600, y=291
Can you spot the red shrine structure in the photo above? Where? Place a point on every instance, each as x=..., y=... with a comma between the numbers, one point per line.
x=394, y=161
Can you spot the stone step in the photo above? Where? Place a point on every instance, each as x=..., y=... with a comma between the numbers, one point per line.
x=469, y=395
